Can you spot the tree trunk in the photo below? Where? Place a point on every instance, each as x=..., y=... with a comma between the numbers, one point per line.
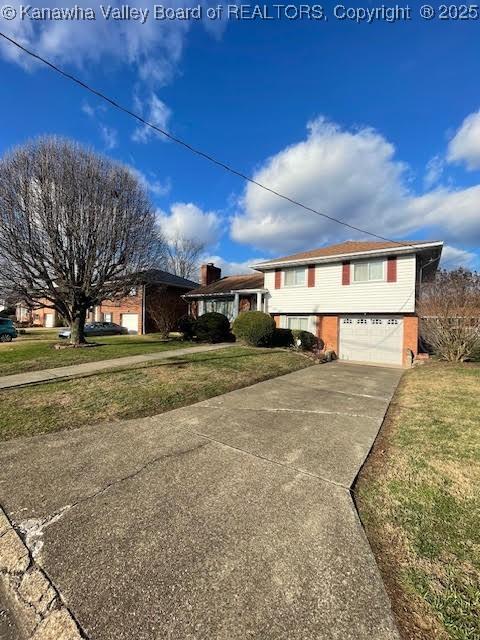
x=77, y=328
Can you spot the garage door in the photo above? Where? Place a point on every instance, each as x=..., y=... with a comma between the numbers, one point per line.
x=49, y=320
x=130, y=321
x=371, y=339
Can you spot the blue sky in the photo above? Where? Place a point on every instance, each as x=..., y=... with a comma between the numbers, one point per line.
x=377, y=124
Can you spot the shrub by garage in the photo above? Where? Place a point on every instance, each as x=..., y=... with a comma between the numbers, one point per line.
x=256, y=328
x=304, y=340
x=212, y=327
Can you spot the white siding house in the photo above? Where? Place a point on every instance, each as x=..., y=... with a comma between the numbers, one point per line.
x=328, y=295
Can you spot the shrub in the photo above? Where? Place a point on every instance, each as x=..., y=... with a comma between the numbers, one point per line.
x=186, y=325
x=212, y=327
x=282, y=338
x=254, y=327
x=304, y=340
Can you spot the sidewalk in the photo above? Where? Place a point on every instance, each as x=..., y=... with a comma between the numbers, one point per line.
x=88, y=368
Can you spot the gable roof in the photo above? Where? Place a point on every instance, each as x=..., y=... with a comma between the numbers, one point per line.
x=350, y=247
x=158, y=276
x=231, y=283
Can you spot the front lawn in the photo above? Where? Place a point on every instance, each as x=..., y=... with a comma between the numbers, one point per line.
x=419, y=499
x=141, y=391
x=36, y=354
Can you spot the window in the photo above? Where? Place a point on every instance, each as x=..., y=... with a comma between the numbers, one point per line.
x=220, y=305
x=294, y=277
x=297, y=323
x=368, y=271
x=107, y=317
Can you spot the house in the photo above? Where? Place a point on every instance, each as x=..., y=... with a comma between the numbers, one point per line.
x=228, y=295
x=358, y=298
x=154, y=304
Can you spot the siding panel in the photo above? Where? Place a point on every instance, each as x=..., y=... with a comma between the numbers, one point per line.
x=329, y=296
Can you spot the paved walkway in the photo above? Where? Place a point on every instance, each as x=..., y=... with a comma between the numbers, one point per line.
x=226, y=520
x=88, y=368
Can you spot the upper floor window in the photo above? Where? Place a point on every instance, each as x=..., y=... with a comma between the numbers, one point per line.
x=368, y=271
x=294, y=277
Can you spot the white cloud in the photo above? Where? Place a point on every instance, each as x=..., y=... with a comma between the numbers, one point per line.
x=434, y=171
x=151, y=183
x=229, y=267
x=109, y=136
x=464, y=147
x=154, y=48
x=156, y=112
x=453, y=257
x=353, y=176
x=188, y=221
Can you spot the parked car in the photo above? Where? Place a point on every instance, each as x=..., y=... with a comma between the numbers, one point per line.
x=98, y=329
x=7, y=330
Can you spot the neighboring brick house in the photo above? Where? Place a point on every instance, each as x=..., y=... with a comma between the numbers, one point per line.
x=359, y=298
x=157, y=298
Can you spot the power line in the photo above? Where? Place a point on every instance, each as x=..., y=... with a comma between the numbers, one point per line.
x=188, y=146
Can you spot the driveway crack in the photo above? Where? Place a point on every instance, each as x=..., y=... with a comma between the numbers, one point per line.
x=33, y=529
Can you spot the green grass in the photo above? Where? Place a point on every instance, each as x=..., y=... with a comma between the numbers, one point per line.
x=419, y=497
x=141, y=391
x=36, y=354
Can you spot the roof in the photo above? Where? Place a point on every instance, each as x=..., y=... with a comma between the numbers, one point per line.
x=158, y=276
x=231, y=283
x=349, y=247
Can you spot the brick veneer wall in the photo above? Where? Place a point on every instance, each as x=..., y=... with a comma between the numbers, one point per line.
x=129, y=304
x=327, y=331
x=410, y=337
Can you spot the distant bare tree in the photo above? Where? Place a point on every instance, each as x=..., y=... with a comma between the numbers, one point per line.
x=182, y=256
x=164, y=308
x=450, y=314
x=75, y=228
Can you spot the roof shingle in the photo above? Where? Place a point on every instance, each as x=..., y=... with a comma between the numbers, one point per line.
x=232, y=283
x=350, y=246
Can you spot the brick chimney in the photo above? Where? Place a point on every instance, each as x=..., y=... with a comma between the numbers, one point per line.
x=209, y=273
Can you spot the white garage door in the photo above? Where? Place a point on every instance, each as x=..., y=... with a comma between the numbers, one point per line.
x=130, y=321
x=371, y=339
x=49, y=320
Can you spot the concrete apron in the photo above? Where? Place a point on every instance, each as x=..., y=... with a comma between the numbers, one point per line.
x=229, y=519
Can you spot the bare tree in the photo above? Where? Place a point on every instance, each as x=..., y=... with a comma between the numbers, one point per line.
x=449, y=309
x=182, y=256
x=75, y=228
x=164, y=308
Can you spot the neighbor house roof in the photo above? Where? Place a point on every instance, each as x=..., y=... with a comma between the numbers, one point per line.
x=158, y=276
x=230, y=284
x=354, y=247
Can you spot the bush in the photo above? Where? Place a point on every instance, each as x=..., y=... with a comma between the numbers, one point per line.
x=282, y=338
x=186, y=325
x=255, y=328
x=212, y=327
x=304, y=340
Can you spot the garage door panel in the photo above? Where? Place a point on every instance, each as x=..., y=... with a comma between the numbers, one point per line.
x=371, y=339
x=130, y=322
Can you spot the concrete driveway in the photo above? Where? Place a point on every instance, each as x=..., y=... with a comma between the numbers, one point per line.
x=226, y=520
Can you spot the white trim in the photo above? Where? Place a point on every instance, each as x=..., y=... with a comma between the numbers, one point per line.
x=401, y=249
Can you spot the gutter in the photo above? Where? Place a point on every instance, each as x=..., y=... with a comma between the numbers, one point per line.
x=223, y=294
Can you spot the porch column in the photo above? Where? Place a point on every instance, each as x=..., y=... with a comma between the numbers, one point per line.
x=259, y=301
x=236, y=305
x=201, y=307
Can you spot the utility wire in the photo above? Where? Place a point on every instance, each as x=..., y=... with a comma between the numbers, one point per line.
x=188, y=146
